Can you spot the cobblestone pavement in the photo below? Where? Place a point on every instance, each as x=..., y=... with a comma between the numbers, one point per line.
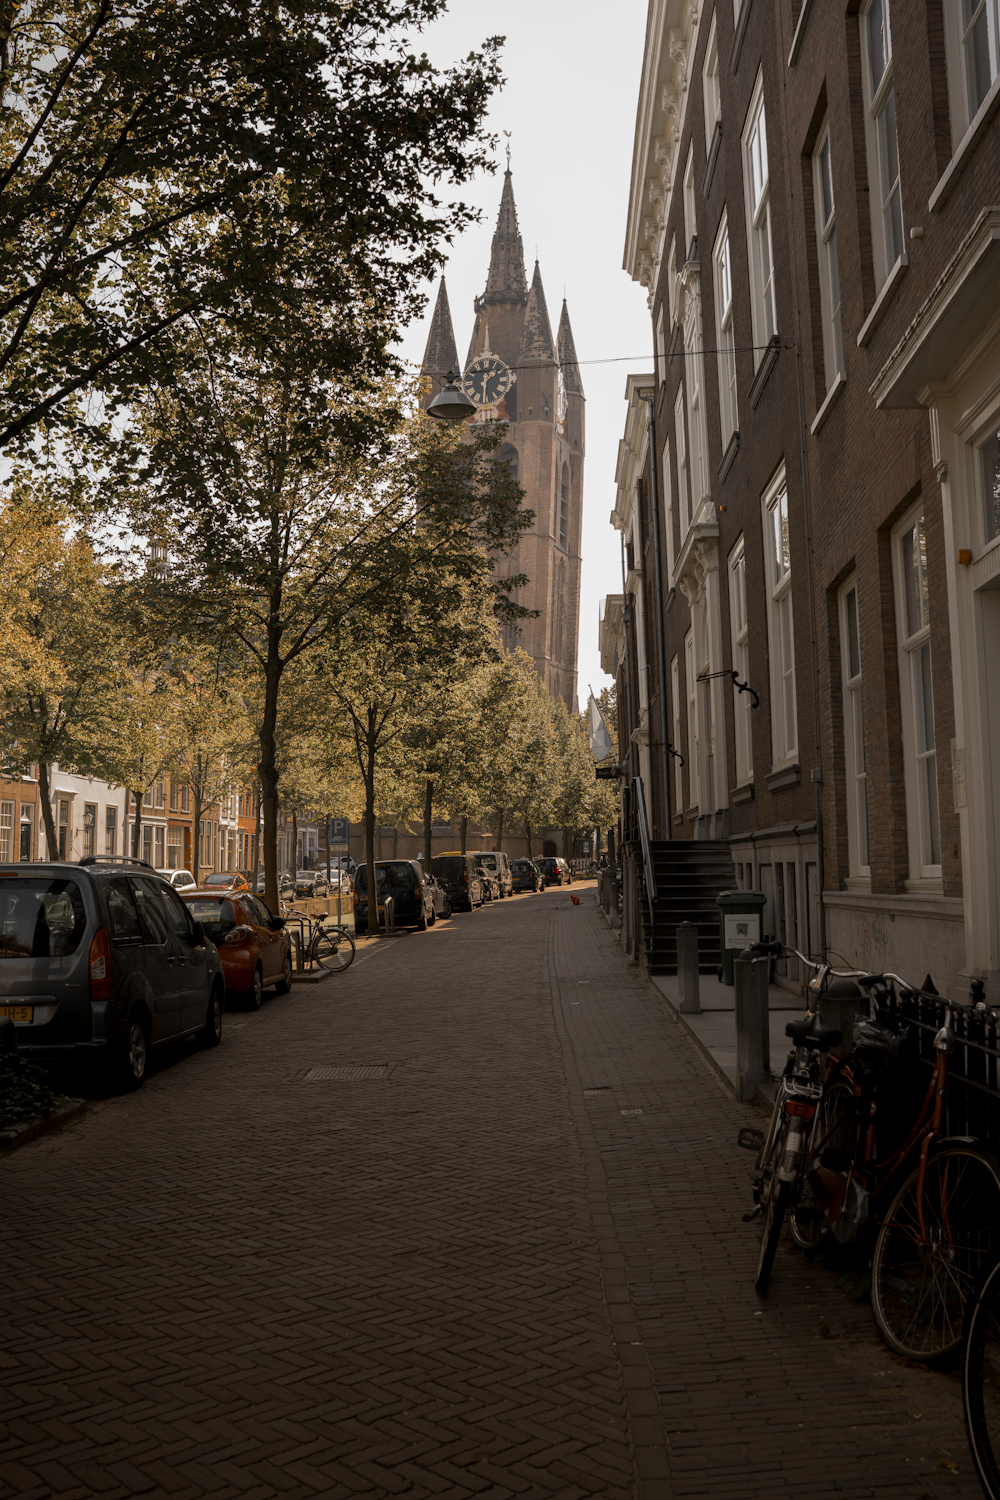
x=511, y=1264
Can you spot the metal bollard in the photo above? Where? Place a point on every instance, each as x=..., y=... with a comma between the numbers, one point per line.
x=390, y=914
x=687, y=969
x=297, y=945
x=615, y=906
x=753, y=1038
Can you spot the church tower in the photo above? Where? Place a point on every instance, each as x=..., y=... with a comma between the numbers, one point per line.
x=544, y=408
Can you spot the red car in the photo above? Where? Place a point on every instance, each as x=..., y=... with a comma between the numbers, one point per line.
x=226, y=880
x=254, y=949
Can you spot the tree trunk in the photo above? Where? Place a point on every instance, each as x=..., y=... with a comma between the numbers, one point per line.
x=268, y=755
x=137, y=825
x=256, y=836
x=428, y=810
x=373, y=921
x=198, y=790
x=527, y=834
x=500, y=830
x=45, y=799
x=464, y=832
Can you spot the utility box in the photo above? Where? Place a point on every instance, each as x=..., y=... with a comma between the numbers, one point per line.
x=741, y=919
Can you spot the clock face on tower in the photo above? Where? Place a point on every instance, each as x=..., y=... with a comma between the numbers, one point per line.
x=487, y=380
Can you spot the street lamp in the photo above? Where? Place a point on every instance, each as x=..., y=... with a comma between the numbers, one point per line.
x=451, y=404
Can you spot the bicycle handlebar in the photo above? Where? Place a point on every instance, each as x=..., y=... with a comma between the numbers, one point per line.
x=865, y=980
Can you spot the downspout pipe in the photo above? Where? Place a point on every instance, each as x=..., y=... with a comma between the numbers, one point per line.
x=650, y=399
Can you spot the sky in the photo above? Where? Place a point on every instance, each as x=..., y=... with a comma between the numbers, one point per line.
x=572, y=69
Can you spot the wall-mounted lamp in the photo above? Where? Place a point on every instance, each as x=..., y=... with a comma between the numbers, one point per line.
x=964, y=556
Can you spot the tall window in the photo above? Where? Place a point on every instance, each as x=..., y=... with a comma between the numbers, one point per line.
x=829, y=273
x=698, y=469
x=675, y=698
x=691, y=674
x=668, y=505
x=161, y=793
x=781, y=642
x=205, y=842
x=854, y=731
x=661, y=347
x=917, y=695
x=147, y=797
x=564, y=508
x=27, y=829
x=173, y=795
x=710, y=83
x=672, y=281
x=65, y=832
x=89, y=828
x=6, y=833
x=755, y=177
x=111, y=831
x=972, y=36
x=880, y=137
x=185, y=799
x=989, y=473
x=690, y=221
x=724, y=333
x=740, y=633
x=683, y=477
x=159, y=840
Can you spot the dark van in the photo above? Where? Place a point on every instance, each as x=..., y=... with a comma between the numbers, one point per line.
x=461, y=878
x=403, y=880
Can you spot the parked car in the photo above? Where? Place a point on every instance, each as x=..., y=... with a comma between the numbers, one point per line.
x=556, y=871
x=490, y=879
x=541, y=873
x=225, y=880
x=311, y=883
x=253, y=946
x=181, y=880
x=403, y=880
x=442, y=901
x=461, y=879
x=104, y=958
x=525, y=876
x=497, y=863
x=286, y=885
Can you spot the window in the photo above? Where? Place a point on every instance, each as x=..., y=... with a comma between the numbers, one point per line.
x=89, y=828
x=880, y=138
x=690, y=674
x=698, y=469
x=6, y=833
x=971, y=35
x=173, y=795
x=161, y=793
x=668, y=505
x=111, y=830
x=724, y=334
x=710, y=84
x=690, y=221
x=683, y=478
x=147, y=798
x=781, y=644
x=564, y=507
x=205, y=842
x=185, y=799
x=917, y=697
x=989, y=473
x=147, y=842
x=672, y=281
x=661, y=347
x=826, y=246
x=755, y=176
x=159, y=858
x=740, y=633
x=675, y=696
x=27, y=829
x=854, y=731
x=65, y=833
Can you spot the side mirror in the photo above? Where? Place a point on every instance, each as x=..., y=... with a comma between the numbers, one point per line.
x=277, y=923
x=198, y=934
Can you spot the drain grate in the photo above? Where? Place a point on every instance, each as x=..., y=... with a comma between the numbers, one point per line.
x=346, y=1070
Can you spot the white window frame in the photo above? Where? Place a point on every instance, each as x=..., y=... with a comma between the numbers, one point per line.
x=826, y=251
x=6, y=833
x=756, y=185
x=668, y=505
x=690, y=215
x=915, y=666
x=683, y=470
x=27, y=821
x=739, y=630
x=725, y=337
x=672, y=282
x=855, y=761
x=780, y=626
x=710, y=86
x=960, y=36
x=987, y=452
x=675, y=693
x=661, y=348
x=880, y=136
x=691, y=686
x=111, y=830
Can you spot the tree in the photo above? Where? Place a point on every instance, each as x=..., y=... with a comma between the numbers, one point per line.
x=160, y=160
x=516, y=729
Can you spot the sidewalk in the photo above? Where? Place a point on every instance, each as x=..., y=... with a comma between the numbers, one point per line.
x=714, y=1030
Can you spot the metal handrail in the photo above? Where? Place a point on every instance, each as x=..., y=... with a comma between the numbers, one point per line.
x=647, y=858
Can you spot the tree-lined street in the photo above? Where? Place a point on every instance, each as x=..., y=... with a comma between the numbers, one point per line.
x=511, y=1263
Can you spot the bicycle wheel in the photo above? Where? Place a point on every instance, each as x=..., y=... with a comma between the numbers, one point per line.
x=833, y=1137
x=981, y=1380
x=774, y=1196
x=335, y=949
x=921, y=1283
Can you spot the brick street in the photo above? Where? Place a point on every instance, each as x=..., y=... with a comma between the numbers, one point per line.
x=511, y=1265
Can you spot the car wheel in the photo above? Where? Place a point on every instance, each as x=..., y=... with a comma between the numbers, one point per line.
x=256, y=994
x=447, y=910
x=422, y=921
x=432, y=919
x=135, y=1059
x=285, y=983
x=212, y=1034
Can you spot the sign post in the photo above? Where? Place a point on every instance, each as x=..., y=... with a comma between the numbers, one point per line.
x=338, y=835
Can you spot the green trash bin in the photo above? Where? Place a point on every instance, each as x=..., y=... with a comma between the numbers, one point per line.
x=741, y=921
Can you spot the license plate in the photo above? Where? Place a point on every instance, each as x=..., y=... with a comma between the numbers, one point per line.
x=17, y=1012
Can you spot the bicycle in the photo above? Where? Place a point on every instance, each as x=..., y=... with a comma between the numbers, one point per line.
x=981, y=1378
x=943, y=1221
x=331, y=946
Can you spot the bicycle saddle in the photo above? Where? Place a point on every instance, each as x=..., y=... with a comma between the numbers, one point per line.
x=811, y=1032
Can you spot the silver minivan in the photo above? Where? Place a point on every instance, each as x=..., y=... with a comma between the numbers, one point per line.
x=103, y=957
x=498, y=865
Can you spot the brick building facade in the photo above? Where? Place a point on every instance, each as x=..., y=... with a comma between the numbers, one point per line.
x=811, y=215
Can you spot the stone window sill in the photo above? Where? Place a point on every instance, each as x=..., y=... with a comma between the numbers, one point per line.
x=858, y=883
x=742, y=793
x=768, y=361
x=881, y=302
x=966, y=145
x=729, y=457
x=927, y=885
x=785, y=777
x=800, y=31
x=693, y=814
x=829, y=399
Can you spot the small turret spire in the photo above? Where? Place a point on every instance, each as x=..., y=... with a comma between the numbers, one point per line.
x=568, y=361
x=441, y=354
x=536, y=337
x=505, y=281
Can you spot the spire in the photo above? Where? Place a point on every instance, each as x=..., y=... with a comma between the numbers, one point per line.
x=567, y=355
x=505, y=280
x=536, y=339
x=441, y=354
